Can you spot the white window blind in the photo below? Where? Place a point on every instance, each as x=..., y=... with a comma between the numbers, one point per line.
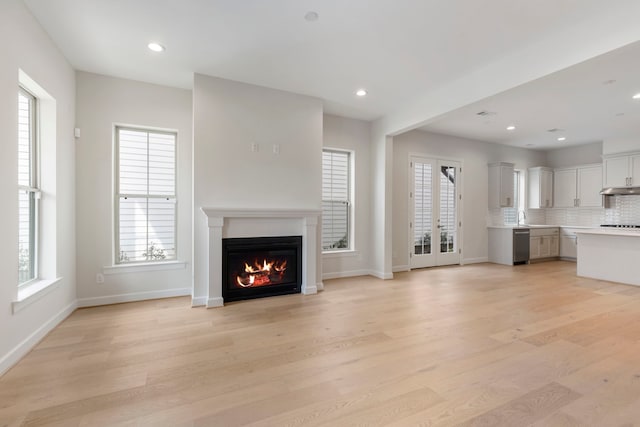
x=510, y=215
x=146, y=196
x=28, y=192
x=423, y=208
x=336, y=203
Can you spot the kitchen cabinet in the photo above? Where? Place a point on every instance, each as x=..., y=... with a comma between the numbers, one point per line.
x=621, y=170
x=568, y=243
x=577, y=187
x=544, y=243
x=501, y=185
x=540, y=187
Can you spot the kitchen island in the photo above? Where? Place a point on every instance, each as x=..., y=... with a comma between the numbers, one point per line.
x=609, y=254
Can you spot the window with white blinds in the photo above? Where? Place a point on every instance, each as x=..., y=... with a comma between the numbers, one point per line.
x=28, y=191
x=146, y=202
x=336, y=200
x=510, y=215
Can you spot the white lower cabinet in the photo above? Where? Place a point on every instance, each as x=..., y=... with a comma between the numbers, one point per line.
x=544, y=243
x=568, y=243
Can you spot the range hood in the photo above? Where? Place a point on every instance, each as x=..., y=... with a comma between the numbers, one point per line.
x=620, y=191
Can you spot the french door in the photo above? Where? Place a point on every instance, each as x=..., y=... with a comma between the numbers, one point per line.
x=434, y=225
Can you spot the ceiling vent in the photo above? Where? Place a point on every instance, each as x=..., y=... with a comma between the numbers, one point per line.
x=555, y=130
x=486, y=113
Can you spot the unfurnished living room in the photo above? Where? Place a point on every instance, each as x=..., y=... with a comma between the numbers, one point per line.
x=303, y=212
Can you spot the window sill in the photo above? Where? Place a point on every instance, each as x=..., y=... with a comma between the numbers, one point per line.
x=340, y=254
x=32, y=292
x=142, y=267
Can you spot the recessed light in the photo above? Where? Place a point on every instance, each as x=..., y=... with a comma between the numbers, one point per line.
x=636, y=96
x=361, y=92
x=156, y=47
x=512, y=127
x=609, y=82
x=562, y=138
x=311, y=16
x=619, y=114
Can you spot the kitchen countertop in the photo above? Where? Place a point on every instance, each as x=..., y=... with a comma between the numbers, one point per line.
x=611, y=232
x=542, y=226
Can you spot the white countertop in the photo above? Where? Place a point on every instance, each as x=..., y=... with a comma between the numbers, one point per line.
x=541, y=226
x=610, y=232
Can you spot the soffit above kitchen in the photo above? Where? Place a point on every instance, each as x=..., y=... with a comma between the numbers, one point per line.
x=588, y=102
x=399, y=51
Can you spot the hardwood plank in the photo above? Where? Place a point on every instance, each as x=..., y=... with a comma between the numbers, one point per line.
x=475, y=344
x=526, y=409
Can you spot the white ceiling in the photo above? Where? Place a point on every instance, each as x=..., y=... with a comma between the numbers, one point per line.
x=589, y=102
x=399, y=50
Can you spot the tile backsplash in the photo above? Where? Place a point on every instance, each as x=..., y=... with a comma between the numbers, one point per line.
x=586, y=217
x=623, y=210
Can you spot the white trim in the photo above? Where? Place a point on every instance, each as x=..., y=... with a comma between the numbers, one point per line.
x=342, y=274
x=307, y=289
x=198, y=301
x=340, y=254
x=136, y=296
x=260, y=213
x=146, y=266
x=320, y=286
x=399, y=268
x=215, y=302
x=381, y=275
x=28, y=294
x=475, y=260
x=19, y=351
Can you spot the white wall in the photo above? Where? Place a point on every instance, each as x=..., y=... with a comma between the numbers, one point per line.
x=102, y=103
x=620, y=145
x=228, y=117
x=354, y=135
x=474, y=155
x=574, y=156
x=26, y=46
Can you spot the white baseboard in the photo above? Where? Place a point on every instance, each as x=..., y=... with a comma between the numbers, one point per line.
x=381, y=275
x=399, y=268
x=475, y=260
x=342, y=274
x=309, y=289
x=198, y=301
x=320, y=286
x=28, y=343
x=136, y=296
x=215, y=302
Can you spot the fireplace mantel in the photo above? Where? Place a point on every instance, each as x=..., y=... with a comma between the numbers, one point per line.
x=301, y=221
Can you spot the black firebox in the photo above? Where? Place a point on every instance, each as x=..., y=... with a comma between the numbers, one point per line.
x=258, y=267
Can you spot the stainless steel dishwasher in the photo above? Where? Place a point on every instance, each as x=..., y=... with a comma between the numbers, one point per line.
x=520, y=245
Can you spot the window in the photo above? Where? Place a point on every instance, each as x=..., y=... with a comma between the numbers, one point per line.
x=336, y=200
x=145, y=196
x=28, y=191
x=510, y=215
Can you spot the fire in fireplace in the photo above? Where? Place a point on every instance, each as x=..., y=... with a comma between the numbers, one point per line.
x=260, y=267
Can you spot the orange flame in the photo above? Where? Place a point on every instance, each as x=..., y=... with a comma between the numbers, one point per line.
x=259, y=275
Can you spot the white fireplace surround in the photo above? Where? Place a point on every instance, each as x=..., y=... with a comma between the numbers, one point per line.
x=250, y=222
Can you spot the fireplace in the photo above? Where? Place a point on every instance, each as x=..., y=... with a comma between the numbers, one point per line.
x=258, y=267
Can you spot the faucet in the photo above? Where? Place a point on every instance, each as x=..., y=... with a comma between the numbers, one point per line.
x=524, y=216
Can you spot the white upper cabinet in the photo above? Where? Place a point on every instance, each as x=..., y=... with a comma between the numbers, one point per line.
x=564, y=188
x=577, y=187
x=622, y=170
x=540, y=188
x=589, y=186
x=501, y=185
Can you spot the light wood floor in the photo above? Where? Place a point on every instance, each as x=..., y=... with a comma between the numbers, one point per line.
x=483, y=345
